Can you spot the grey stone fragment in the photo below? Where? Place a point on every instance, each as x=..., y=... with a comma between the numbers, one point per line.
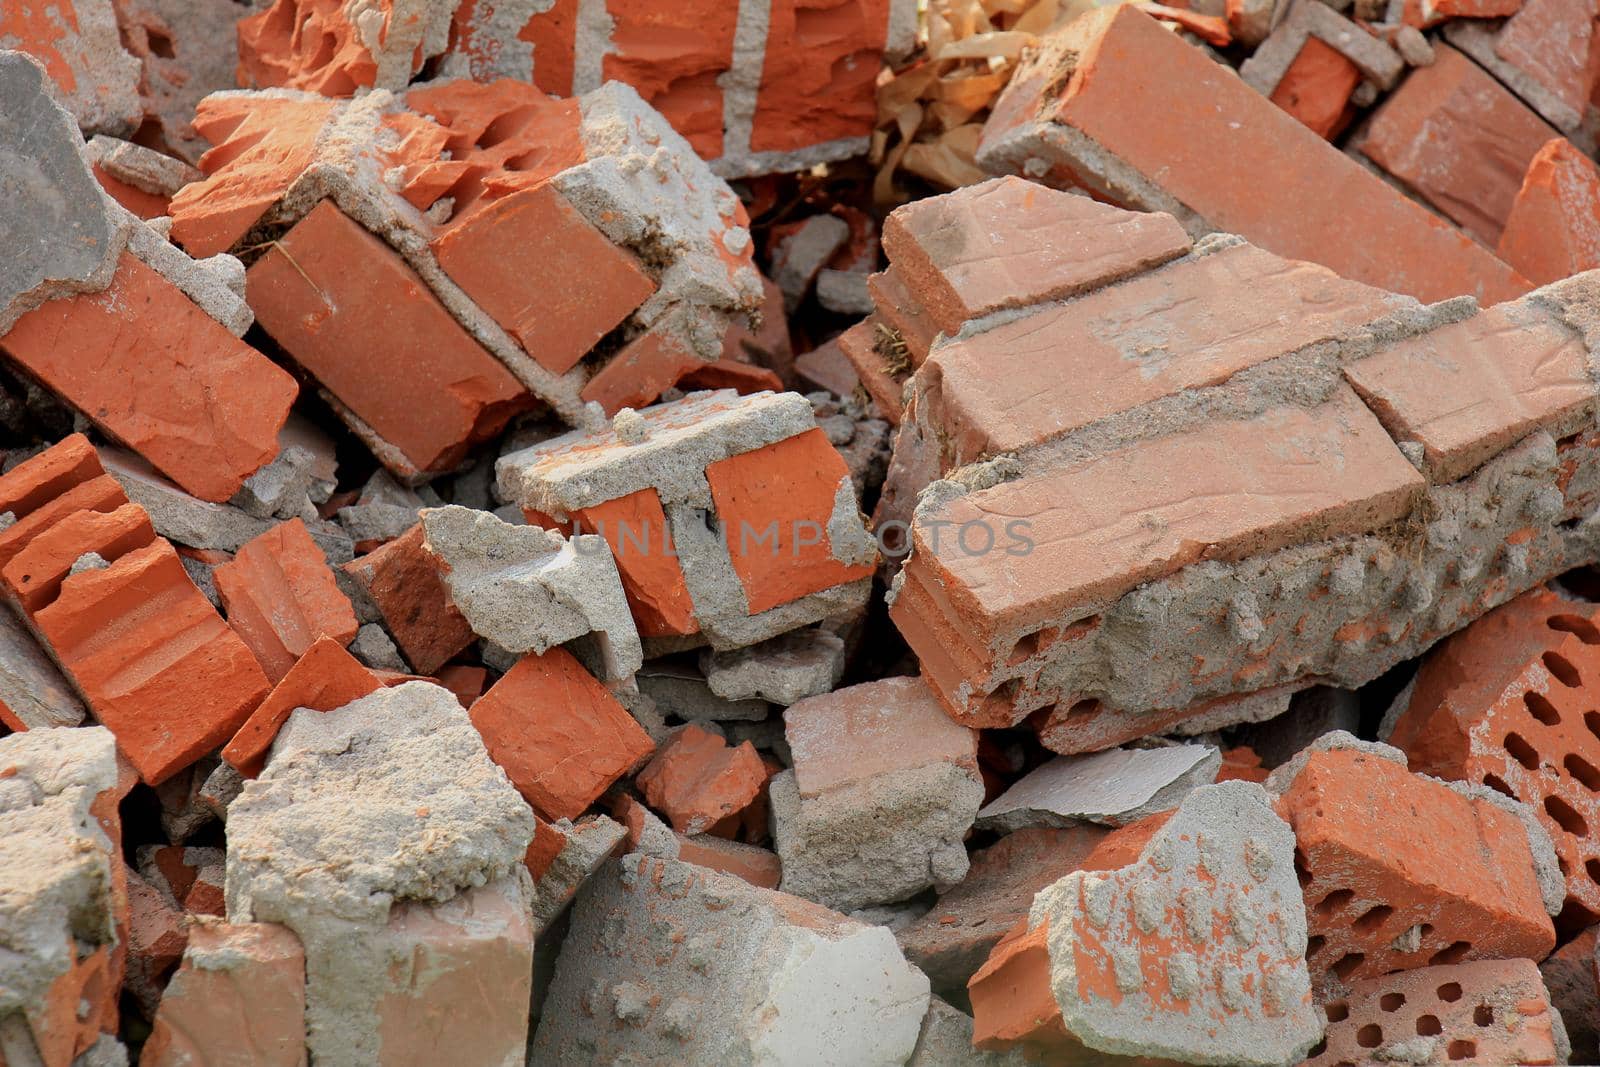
x=844, y=292
x=375, y=648
x=143, y=168
x=388, y=800
x=220, y=789
x=1312, y=713
x=528, y=589
x=667, y=962
x=590, y=842
x=946, y=1041
x=800, y=256
x=202, y=574
x=59, y=238
x=784, y=669
x=683, y=692
x=31, y=686
x=106, y=1051
x=55, y=866
x=283, y=488
x=1113, y=788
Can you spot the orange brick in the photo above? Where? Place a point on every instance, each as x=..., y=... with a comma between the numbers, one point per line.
x=645, y=368
x=39, y=492
x=1458, y=138
x=1469, y=390
x=403, y=581
x=635, y=526
x=675, y=55
x=791, y=486
x=545, y=273
x=742, y=378
x=143, y=204
x=325, y=678
x=1190, y=127
x=1492, y=1011
x=818, y=78
x=1469, y=894
x=1011, y=243
x=306, y=44
x=1317, y=86
x=560, y=736
x=1507, y=703
x=1553, y=230
x=280, y=596
x=697, y=780
x=871, y=354
x=160, y=375
x=153, y=658
x=758, y=866
x=366, y=326
x=552, y=33
x=35, y=574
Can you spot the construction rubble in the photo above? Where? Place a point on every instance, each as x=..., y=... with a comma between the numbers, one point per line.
x=887, y=533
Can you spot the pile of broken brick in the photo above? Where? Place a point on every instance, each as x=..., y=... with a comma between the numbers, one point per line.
x=443, y=622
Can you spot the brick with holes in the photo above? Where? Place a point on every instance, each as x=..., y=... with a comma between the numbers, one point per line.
x=1488, y=1011
x=729, y=516
x=1401, y=871
x=1509, y=703
x=534, y=248
x=1181, y=936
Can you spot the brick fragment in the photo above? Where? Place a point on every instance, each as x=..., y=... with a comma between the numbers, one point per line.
x=325, y=677
x=698, y=780
x=1568, y=974
x=1087, y=107
x=1553, y=230
x=955, y=937
x=883, y=790
x=1114, y=787
x=1459, y=140
x=1545, y=53
x=174, y=385
x=1190, y=948
x=238, y=1000
x=324, y=47
x=280, y=596
x=559, y=735
x=403, y=582
x=1491, y=1011
x=1375, y=903
x=156, y=939
x=187, y=52
x=349, y=310
x=1316, y=88
x=1504, y=703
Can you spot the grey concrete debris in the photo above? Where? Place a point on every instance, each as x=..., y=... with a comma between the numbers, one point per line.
x=682, y=691
x=1114, y=788
x=883, y=791
x=1376, y=61
x=32, y=687
x=671, y=963
x=784, y=669
x=220, y=789
x=1224, y=852
x=57, y=889
x=376, y=649
x=100, y=83
x=143, y=168
x=589, y=843
x=59, y=238
x=946, y=1041
x=528, y=589
x=844, y=292
x=1312, y=713
x=799, y=257
x=389, y=800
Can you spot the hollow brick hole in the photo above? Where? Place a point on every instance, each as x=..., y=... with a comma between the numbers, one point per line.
x=1372, y=919
x=1566, y=816
x=1451, y=953
x=1463, y=1050
x=1522, y=752
x=1586, y=774
x=1428, y=1026
x=1562, y=669
x=1333, y=902
x=1586, y=631
x=1346, y=965
x=1392, y=1001
x=1540, y=708
x=1450, y=992
x=1483, y=1015
x=1370, y=1036
x=1337, y=1011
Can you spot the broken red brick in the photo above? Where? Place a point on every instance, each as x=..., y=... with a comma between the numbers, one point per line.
x=758, y=491
x=758, y=866
x=403, y=581
x=697, y=780
x=1507, y=703
x=1459, y=139
x=545, y=273
x=1316, y=88
x=1184, y=128
x=281, y=597
x=351, y=311
x=1553, y=230
x=1491, y=1011
x=1375, y=902
x=635, y=526
x=160, y=375
x=560, y=736
x=156, y=938
x=324, y=678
